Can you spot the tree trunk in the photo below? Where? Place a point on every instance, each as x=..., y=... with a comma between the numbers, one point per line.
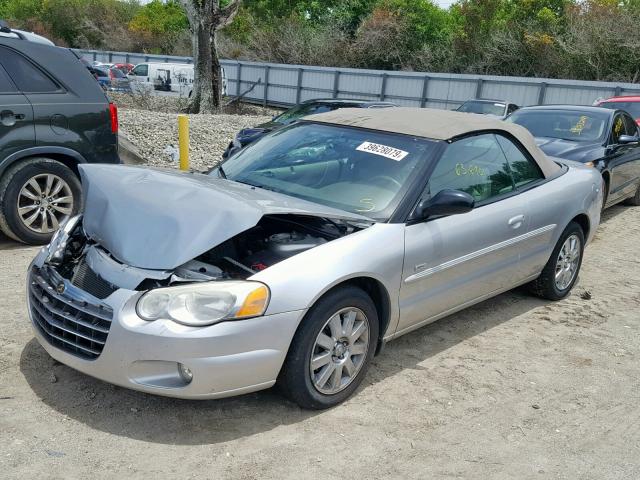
x=205, y=18
x=206, y=95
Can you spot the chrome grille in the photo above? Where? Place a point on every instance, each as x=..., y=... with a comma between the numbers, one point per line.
x=69, y=320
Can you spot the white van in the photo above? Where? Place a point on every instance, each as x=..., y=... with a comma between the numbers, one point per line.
x=167, y=77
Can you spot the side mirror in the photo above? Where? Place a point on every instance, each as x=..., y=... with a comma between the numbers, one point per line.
x=445, y=202
x=626, y=139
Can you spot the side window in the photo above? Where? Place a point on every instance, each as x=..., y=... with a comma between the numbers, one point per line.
x=27, y=77
x=6, y=85
x=631, y=127
x=617, y=129
x=512, y=108
x=141, y=70
x=523, y=169
x=475, y=165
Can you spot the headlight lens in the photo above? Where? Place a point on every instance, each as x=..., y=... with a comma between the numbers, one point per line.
x=199, y=304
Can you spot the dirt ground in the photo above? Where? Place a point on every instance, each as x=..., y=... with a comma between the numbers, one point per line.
x=514, y=388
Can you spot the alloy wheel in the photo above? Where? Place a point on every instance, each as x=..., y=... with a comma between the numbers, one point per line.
x=567, y=262
x=44, y=201
x=339, y=351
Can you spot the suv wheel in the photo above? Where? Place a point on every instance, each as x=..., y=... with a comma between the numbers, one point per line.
x=331, y=351
x=35, y=197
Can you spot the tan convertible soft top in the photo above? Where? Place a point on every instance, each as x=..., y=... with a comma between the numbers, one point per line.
x=434, y=124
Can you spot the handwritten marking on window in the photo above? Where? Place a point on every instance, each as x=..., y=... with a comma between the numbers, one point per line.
x=578, y=127
x=473, y=170
x=367, y=205
x=617, y=129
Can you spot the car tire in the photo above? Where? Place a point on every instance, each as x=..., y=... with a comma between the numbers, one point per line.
x=306, y=385
x=605, y=194
x=13, y=196
x=635, y=200
x=565, y=261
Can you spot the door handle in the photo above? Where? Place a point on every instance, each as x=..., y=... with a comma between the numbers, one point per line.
x=9, y=119
x=516, y=222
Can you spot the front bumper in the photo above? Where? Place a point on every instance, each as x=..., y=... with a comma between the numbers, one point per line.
x=229, y=358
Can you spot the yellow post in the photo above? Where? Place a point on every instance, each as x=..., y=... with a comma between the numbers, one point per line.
x=183, y=141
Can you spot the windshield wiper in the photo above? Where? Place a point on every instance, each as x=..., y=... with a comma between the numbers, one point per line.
x=221, y=171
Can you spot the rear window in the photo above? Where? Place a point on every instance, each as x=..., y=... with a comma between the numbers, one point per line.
x=117, y=73
x=632, y=108
x=27, y=77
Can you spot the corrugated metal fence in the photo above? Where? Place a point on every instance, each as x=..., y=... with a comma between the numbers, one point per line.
x=284, y=85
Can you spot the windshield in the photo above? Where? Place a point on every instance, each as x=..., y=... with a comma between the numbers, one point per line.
x=484, y=108
x=305, y=109
x=573, y=125
x=356, y=170
x=633, y=108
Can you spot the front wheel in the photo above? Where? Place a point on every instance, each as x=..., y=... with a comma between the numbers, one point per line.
x=331, y=351
x=561, y=271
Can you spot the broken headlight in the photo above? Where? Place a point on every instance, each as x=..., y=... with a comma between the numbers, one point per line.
x=58, y=244
x=200, y=304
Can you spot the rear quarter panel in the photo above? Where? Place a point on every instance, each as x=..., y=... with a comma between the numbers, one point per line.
x=578, y=191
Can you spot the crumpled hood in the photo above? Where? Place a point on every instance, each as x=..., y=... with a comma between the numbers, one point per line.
x=160, y=219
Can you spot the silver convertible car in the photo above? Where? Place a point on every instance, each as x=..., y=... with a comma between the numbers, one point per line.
x=299, y=257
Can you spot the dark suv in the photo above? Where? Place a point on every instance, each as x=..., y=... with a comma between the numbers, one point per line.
x=53, y=116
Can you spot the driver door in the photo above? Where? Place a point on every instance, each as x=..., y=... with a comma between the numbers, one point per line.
x=624, y=159
x=453, y=261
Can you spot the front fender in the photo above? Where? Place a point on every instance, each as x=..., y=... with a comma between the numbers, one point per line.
x=376, y=252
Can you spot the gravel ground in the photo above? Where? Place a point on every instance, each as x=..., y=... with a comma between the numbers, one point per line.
x=155, y=133
x=513, y=388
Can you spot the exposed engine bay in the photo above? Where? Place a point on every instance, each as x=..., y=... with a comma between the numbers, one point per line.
x=274, y=239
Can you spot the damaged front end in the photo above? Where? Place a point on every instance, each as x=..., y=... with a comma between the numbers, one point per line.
x=70, y=286
x=140, y=291
x=88, y=265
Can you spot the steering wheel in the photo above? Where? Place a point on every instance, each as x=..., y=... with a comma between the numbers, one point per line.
x=387, y=179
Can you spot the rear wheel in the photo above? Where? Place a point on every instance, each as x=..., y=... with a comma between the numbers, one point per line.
x=35, y=197
x=605, y=193
x=331, y=351
x=635, y=200
x=561, y=271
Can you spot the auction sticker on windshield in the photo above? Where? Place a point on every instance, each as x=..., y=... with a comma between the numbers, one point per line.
x=382, y=150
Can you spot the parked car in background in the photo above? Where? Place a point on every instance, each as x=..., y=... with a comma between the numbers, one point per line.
x=111, y=79
x=7, y=32
x=124, y=67
x=606, y=139
x=53, y=117
x=167, y=77
x=297, y=258
x=494, y=108
x=630, y=104
x=248, y=135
